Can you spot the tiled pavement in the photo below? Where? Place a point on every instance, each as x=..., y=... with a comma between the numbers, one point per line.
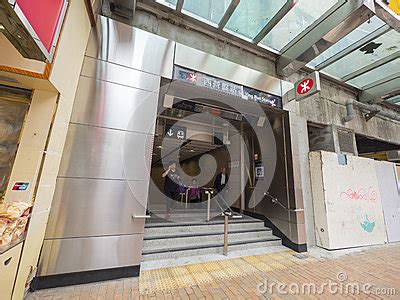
x=373, y=272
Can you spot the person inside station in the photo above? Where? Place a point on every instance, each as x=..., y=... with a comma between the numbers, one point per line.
x=194, y=192
x=221, y=180
x=171, y=186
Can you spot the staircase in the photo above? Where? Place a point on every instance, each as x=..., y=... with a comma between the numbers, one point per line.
x=165, y=240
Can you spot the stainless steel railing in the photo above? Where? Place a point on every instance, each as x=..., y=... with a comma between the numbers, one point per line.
x=226, y=231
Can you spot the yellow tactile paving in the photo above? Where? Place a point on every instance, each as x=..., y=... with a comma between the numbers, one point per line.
x=241, y=279
x=211, y=272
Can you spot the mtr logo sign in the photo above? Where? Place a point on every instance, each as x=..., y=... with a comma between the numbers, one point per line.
x=307, y=86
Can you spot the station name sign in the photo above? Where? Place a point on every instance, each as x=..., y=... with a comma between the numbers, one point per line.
x=226, y=87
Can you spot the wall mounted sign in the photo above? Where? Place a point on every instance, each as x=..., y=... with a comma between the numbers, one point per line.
x=259, y=171
x=175, y=132
x=20, y=186
x=261, y=97
x=33, y=26
x=307, y=86
x=226, y=87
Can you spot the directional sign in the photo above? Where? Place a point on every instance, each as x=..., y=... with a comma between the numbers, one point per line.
x=175, y=132
x=308, y=86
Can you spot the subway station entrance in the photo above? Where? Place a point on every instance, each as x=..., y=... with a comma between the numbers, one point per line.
x=226, y=155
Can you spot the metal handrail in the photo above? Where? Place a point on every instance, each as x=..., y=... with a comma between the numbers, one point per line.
x=226, y=233
x=209, y=192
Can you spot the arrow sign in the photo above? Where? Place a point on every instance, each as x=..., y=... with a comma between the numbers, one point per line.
x=175, y=132
x=170, y=132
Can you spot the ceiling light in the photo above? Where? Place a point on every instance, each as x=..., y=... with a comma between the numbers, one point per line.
x=191, y=150
x=2, y=27
x=159, y=147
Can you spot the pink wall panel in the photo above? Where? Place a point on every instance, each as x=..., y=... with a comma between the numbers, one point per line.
x=43, y=15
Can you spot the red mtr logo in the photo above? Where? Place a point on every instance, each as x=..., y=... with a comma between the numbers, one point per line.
x=305, y=86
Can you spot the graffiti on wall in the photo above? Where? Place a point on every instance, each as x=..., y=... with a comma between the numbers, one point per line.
x=368, y=195
x=362, y=195
x=367, y=225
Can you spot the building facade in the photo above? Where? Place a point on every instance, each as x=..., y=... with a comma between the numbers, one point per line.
x=319, y=172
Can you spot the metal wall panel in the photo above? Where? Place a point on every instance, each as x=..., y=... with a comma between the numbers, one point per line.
x=95, y=152
x=219, y=67
x=102, y=70
x=386, y=174
x=129, y=46
x=105, y=104
x=104, y=206
x=86, y=254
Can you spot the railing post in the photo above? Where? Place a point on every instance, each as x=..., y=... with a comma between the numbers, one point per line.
x=208, y=206
x=186, y=197
x=226, y=234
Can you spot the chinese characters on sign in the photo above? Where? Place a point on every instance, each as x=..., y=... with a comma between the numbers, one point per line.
x=229, y=88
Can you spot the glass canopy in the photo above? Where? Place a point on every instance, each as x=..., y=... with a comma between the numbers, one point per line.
x=302, y=15
x=251, y=16
x=169, y=3
x=394, y=100
x=210, y=11
x=361, y=56
x=378, y=49
x=359, y=33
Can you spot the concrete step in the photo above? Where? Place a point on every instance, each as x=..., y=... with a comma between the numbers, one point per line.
x=155, y=222
x=201, y=229
x=216, y=248
x=172, y=229
x=198, y=240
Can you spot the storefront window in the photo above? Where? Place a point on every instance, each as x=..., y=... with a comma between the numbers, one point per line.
x=12, y=116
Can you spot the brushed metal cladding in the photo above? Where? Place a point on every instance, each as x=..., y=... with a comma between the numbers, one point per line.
x=95, y=152
x=105, y=104
x=210, y=64
x=88, y=254
x=128, y=46
x=105, y=207
x=103, y=70
x=390, y=198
